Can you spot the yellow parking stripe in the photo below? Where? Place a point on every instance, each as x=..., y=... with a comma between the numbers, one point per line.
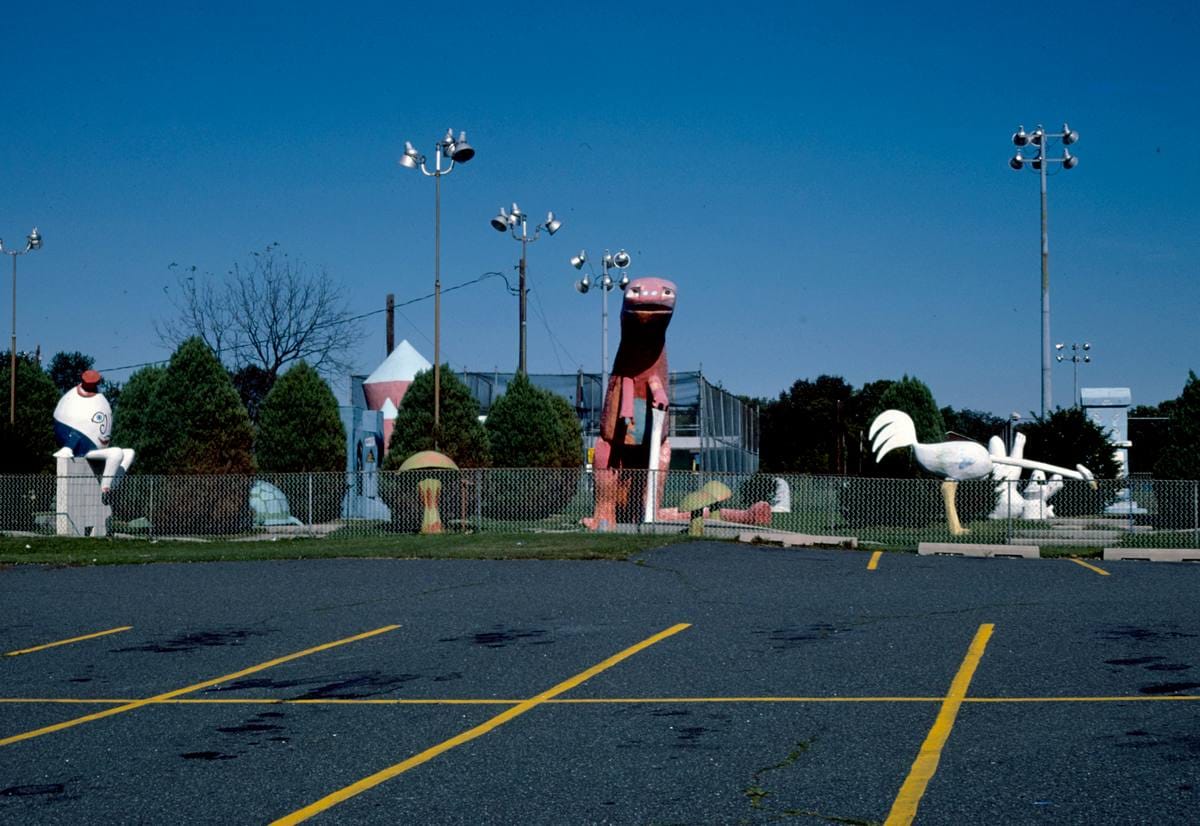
x=874, y=563
x=1100, y=571
x=44, y=646
x=170, y=695
x=500, y=719
x=904, y=808
x=621, y=701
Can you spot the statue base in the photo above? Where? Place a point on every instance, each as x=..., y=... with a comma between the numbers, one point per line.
x=79, y=509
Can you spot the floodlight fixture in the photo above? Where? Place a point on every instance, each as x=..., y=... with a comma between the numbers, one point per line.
x=1040, y=163
x=577, y=261
x=516, y=219
x=452, y=151
x=460, y=150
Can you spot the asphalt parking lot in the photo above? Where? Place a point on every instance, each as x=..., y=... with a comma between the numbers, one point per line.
x=705, y=683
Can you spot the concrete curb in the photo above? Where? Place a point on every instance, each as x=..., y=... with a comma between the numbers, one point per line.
x=976, y=549
x=1153, y=554
x=798, y=540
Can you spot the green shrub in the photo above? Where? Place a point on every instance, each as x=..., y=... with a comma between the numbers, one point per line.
x=300, y=432
x=461, y=436
x=131, y=424
x=533, y=429
x=27, y=446
x=1180, y=460
x=195, y=424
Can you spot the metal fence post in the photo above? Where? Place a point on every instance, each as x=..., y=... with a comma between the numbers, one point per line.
x=479, y=500
x=1196, y=514
x=151, y=509
x=310, y=503
x=1008, y=516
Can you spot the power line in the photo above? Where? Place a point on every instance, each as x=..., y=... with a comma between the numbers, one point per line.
x=359, y=317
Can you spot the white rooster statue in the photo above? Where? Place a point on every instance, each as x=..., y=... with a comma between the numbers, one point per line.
x=954, y=461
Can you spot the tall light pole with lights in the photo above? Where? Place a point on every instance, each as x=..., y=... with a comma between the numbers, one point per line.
x=1080, y=354
x=619, y=261
x=1038, y=139
x=453, y=151
x=509, y=221
x=32, y=242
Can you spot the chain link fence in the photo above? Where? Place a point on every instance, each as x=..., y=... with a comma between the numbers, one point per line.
x=891, y=512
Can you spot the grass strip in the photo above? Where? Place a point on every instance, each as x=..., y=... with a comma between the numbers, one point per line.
x=55, y=550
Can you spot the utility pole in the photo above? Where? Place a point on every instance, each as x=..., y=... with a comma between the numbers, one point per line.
x=1039, y=138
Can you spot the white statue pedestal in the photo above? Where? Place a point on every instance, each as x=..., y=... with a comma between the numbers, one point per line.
x=79, y=508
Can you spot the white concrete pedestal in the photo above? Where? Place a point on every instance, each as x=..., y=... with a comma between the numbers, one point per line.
x=79, y=507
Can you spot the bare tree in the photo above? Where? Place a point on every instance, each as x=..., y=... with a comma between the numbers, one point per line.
x=268, y=313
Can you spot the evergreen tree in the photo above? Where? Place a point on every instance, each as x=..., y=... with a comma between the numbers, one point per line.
x=300, y=430
x=461, y=436
x=131, y=424
x=974, y=424
x=1067, y=437
x=253, y=383
x=197, y=423
x=299, y=426
x=1180, y=457
x=570, y=444
x=525, y=428
x=912, y=396
x=66, y=369
x=28, y=445
x=530, y=427
x=804, y=430
x=1149, y=430
x=913, y=501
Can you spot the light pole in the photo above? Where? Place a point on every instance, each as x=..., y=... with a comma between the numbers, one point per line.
x=509, y=221
x=1013, y=418
x=455, y=151
x=1039, y=138
x=620, y=261
x=32, y=242
x=1079, y=353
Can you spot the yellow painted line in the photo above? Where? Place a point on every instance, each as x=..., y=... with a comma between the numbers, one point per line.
x=331, y=800
x=1156, y=698
x=57, y=643
x=171, y=695
x=491, y=701
x=874, y=563
x=1100, y=571
x=904, y=807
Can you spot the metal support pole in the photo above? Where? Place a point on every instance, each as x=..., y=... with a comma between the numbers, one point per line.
x=523, y=298
x=391, y=324
x=1047, y=403
x=437, y=299
x=12, y=352
x=604, y=340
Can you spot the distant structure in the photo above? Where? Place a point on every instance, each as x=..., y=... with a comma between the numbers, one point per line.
x=1108, y=407
x=710, y=428
x=368, y=420
x=384, y=389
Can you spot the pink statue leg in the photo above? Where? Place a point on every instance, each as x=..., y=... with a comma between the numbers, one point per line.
x=605, y=516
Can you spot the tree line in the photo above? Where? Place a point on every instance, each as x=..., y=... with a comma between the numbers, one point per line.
x=820, y=426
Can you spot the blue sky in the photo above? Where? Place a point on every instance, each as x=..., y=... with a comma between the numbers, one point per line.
x=829, y=189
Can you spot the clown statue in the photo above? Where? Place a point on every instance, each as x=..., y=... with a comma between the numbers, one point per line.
x=83, y=424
